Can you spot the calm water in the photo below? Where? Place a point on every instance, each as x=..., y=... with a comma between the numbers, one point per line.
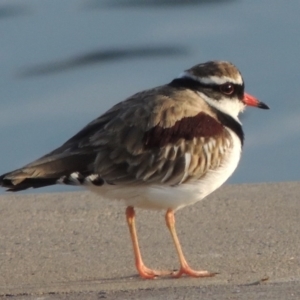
x=64, y=63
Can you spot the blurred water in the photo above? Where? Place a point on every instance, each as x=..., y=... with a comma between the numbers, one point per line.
x=64, y=63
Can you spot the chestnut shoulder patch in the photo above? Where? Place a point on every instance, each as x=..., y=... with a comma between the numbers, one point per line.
x=201, y=125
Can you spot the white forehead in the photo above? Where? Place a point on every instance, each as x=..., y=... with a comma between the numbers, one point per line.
x=213, y=79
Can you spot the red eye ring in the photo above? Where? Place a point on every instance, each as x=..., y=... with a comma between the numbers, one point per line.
x=227, y=88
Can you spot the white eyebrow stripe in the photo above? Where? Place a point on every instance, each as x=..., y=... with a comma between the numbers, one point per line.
x=212, y=79
x=220, y=80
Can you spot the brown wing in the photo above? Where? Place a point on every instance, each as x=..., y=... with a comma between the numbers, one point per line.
x=159, y=140
x=163, y=155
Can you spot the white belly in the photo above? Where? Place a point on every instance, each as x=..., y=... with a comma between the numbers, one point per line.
x=174, y=197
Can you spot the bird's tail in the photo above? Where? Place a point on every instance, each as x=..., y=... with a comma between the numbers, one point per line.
x=15, y=181
x=47, y=171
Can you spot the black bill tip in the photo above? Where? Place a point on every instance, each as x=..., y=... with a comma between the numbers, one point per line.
x=263, y=105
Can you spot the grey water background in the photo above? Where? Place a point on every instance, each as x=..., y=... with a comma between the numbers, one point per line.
x=63, y=63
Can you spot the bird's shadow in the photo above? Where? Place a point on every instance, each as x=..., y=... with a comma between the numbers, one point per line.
x=96, y=4
x=11, y=10
x=101, y=56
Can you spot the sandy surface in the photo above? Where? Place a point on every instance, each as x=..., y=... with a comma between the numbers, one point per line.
x=77, y=246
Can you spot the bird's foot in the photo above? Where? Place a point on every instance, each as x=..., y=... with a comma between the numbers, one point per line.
x=148, y=273
x=193, y=273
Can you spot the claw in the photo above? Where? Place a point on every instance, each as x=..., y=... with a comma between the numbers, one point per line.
x=193, y=273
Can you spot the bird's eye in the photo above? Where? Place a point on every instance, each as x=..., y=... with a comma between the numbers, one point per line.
x=227, y=88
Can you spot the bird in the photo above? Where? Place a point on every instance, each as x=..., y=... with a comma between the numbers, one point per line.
x=162, y=149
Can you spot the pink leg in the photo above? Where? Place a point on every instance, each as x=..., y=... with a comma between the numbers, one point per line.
x=184, y=267
x=144, y=272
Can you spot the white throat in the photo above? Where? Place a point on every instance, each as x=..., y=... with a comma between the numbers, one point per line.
x=230, y=107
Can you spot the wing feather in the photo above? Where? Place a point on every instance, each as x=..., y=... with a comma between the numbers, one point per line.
x=130, y=159
x=150, y=137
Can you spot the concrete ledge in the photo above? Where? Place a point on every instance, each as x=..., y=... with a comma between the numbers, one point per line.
x=76, y=243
